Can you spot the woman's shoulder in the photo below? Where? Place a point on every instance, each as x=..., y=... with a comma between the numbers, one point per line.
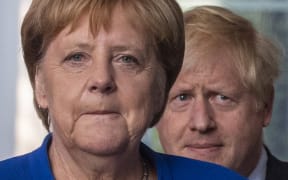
x=33, y=165
x=175, y=167
x=184, y=168
x=15, y=167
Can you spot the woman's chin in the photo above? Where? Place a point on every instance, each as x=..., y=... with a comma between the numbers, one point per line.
x=102, y=144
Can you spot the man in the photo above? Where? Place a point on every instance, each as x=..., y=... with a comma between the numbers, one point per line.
x=223, y=96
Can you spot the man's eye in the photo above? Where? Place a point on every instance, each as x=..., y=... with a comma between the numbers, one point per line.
x=222, y=98
x=182, y=97
x=180, y=102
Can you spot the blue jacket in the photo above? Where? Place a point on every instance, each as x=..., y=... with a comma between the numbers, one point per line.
x=36, y=166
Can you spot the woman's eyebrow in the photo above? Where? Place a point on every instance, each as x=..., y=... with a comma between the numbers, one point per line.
x=84, y=45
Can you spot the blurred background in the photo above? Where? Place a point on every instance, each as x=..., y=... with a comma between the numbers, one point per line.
x=21, y=130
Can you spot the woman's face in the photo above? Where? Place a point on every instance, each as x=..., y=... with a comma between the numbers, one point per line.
x=101, y=91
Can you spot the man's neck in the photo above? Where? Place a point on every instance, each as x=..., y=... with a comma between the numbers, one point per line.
x=259, y=173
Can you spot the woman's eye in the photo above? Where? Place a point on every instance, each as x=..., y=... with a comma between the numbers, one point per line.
x=75, y=58
x=128, y=63
x=129, y=59
x=76, y=62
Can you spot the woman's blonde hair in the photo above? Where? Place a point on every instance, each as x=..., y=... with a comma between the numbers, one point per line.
x=162, y=21
x=255, y=57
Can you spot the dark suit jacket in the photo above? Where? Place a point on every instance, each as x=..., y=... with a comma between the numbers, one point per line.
x=276, y=169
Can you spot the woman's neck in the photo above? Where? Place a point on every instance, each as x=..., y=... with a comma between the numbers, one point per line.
x=71, y=163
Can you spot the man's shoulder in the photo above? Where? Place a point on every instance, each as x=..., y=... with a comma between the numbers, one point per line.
x=276, y=169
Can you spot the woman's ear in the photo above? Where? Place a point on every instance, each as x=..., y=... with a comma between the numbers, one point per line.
x=268, y=109
x=40, y=91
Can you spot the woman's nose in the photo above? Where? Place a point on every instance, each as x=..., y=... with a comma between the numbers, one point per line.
x=102, y=79
x=201, y=116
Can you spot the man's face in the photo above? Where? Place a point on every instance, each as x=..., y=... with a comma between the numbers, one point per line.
x=210, y=116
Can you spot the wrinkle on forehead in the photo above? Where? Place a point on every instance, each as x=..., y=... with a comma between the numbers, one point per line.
x=201, y=59
x=214, y=68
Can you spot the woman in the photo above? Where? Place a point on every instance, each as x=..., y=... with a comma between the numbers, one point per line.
x=101, y=71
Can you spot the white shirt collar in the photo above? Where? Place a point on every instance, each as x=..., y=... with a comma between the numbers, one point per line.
x=259, y=173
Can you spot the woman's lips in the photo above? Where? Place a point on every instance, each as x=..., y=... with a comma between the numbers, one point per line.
x=101, y=112
x=101, y=115
x=204, y=147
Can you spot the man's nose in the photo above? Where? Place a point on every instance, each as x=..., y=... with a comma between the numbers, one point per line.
x=201, y=116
